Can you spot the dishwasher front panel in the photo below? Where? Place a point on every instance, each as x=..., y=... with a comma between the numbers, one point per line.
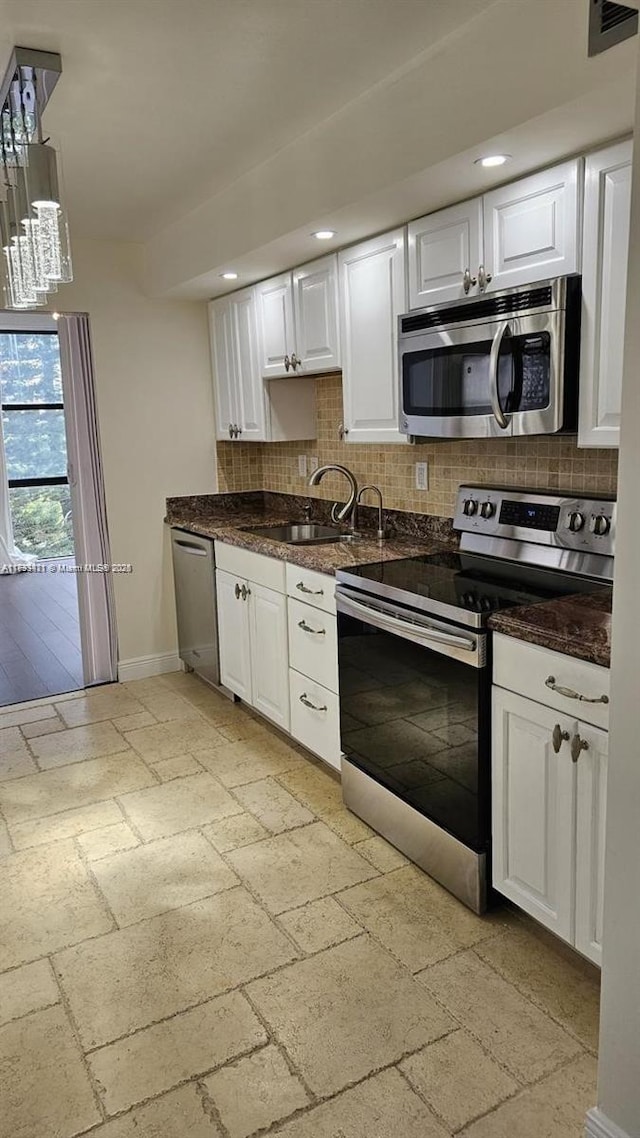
x=195, y=585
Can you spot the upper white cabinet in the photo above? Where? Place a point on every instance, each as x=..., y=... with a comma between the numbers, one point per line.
x=445, y=250
x=247, y=408
x=372, y=295
x=532, y=227
x=239, y=391
x=298, y=320
x=607, y=209
x=514, y=235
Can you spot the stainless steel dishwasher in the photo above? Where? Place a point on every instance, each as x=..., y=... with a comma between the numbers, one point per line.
x=195, y=585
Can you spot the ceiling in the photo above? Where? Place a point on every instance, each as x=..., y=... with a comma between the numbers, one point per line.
x=221, y=133
x=164, y=102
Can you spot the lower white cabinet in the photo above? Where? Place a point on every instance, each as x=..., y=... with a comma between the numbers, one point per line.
x=315, y=717
x=252, y=627
x=548, y=802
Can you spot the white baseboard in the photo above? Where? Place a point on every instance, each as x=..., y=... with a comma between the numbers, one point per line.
x=141, y=667
x=599, y=1126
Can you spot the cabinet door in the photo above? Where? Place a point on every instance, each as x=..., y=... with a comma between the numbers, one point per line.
x=222, y=358
x=605, y=249
x=269, y=654
x=533, y=792
x=233, y=633
x=276, y=332
x=249, y=382
x=315, y=296
x=532, y=227
x=590, y=841
x=442, y=247
x=372, y=296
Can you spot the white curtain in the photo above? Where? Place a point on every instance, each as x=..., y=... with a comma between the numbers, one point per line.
x=88, y=506
x=10, y=555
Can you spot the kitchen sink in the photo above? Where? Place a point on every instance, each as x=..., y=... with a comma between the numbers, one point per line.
x=302, y=534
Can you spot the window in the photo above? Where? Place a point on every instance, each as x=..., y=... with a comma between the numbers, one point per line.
x=35, y=443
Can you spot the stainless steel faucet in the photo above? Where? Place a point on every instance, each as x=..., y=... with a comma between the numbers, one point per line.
x=378, y=491
x=346, y=513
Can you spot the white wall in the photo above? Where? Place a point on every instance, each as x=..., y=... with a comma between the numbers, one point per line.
x=155, y=411
x=619, y=1070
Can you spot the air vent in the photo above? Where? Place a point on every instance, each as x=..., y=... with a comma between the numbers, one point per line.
x=609, y=24
x=504, y=303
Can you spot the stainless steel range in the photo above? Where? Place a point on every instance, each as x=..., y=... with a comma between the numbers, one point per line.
x=414, y=656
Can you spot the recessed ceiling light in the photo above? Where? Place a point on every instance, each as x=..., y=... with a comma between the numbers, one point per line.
x=493, y=160
x=324, y=234
x=229, y=276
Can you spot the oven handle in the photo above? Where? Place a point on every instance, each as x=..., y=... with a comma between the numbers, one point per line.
x=420, y=629
x=494, y=356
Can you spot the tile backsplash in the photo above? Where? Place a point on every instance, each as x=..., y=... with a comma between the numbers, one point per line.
x=544, y=462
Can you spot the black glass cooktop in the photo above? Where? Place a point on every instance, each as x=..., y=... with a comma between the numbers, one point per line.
x=463, y=587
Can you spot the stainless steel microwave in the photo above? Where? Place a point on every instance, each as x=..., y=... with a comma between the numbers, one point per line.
x=501, y=365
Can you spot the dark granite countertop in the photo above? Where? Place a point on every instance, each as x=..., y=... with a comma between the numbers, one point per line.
x=578, y=625
x=224, y=516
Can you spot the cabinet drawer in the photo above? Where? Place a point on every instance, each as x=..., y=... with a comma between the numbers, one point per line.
x=526, y=668
x=317, y=589
x=255, y=567
x=313, y=644
x=316, y=727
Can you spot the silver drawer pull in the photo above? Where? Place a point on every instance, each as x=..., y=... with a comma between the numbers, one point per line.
x=312, y=592
x=550, y=682
x=307, y=703
x=307, y=628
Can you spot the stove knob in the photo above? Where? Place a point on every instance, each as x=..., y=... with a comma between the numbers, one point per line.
x=469, y=507
x=575, y=522
x=600, y=524
x=487, y=510
x=485, y=604
x=469, y=600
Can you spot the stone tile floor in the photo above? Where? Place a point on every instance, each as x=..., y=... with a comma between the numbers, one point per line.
x=197, y=940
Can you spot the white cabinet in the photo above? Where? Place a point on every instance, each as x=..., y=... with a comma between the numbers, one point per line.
x=298, y=320
x=549, y=788
x=247, y=408
x=445, y=250
x=590, y=842
x=607, y=209
x=269, y=653
x=315, y=718
x=533, y=804
x=373, y=294
x=239, y=390
x=234, y=635
x=514, y=235
x=532, y=227
x=252, y=628
x=315, y=304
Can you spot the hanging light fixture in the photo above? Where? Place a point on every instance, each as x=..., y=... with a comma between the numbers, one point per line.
x=34, y=233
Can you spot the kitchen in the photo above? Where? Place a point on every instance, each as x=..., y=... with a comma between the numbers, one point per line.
x=307, y=375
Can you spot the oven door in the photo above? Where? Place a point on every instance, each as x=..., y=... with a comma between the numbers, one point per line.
x=414, y=710
x=499, y=378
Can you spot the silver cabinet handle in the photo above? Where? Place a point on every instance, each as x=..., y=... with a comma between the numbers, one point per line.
x=484, y=278
x=494, y=356
x=468, y=281
x=238, y=591
x=312, y=592
x=559, y=737
x=238, y=431
x=578, y=745
x=550, y=682
x=307, y=628
x=296, y=362
x=287, y=363
x=307, y=703
x=246, y=592
x=230, y=431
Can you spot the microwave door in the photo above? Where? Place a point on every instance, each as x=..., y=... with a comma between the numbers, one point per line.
x=454, y=387
x=536, y=405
